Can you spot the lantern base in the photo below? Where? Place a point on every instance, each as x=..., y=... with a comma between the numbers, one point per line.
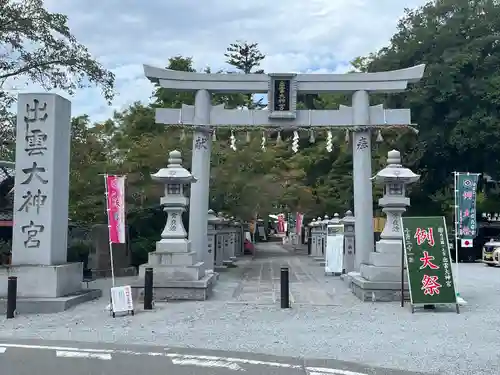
x=174, y=290
x=376, y=291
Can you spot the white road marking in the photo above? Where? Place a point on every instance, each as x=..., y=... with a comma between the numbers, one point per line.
x=68, y=354
x=235, y=360
x=207, y=363
x=331, y=371
x=177, y=358
x=70, y=349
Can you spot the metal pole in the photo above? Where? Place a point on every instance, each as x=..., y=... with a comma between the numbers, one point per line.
x=109, y=234
x=148, y=289
x=285, y=288
x=11, y=296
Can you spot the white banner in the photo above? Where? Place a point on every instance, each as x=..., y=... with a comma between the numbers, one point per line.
x=334, y=249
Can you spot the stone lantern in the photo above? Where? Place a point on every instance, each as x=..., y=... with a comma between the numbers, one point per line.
x=335, y=219
x=381, y=278
x=312, y=237
x=213, y=220
x=177, y=272
x=394, y=178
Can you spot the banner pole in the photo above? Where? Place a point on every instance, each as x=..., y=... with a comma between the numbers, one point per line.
x=455, y=217
x=109, y=233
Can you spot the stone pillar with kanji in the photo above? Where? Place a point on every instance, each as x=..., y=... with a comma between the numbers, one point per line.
x=41, y=198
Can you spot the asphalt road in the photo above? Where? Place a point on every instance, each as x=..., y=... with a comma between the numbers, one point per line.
x=22, y=357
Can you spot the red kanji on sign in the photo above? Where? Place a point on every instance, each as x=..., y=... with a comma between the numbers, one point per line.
x=430, y=285
x=466, y=231
x=468, y=194
x=423, y=235
x=466, y=213
x=426, y=261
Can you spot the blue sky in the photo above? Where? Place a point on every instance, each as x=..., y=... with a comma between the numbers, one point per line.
x=295, y=35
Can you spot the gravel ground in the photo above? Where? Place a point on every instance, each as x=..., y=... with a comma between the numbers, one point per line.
x=380, y=334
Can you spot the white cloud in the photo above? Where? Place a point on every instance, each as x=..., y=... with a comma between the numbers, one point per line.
x=314, y=36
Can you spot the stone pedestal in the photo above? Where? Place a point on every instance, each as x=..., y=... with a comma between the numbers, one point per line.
x=177, y=273
x=380, y=278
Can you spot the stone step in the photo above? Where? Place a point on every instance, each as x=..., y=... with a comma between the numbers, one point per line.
x=382, y=274
x=174, y=259
x=385, y=259
x=174, y=272
x=171, y=290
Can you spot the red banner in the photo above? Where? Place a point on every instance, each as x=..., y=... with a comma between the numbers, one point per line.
x=115, y=191
x=299, y=218
x=281, y=223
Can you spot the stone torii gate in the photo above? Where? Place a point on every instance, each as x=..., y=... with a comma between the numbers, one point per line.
x=282, y=89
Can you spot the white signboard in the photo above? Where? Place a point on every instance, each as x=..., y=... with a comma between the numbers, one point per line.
x=121, y=299
x=334, y=249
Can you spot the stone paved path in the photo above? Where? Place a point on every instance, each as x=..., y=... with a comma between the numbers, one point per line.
x=258, y=280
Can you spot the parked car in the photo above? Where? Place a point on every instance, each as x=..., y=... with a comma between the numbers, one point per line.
x=491, y=252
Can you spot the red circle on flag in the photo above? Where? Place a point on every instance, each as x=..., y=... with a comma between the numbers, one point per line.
x=466, y=242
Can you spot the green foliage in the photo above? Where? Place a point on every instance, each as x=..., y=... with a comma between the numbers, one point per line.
x=39, y=46
x=456, y=104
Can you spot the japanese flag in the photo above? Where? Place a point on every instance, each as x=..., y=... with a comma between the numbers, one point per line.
x=467, y=243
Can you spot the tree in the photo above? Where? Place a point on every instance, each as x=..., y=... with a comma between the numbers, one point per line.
x=244, y=56
x=89, y=161
x=38, y=47
x=456, y=104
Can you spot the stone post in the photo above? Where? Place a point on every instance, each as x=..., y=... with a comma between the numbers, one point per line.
x=200, y=167
x=318, y=237
x=219, y=250
x=310, y=248
x=349, y=241
x=227, y=252
x=238, y=238
x=213, y=220
x=232, y=239
x=312, y=238
x=362, y=173
x=323, y=225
